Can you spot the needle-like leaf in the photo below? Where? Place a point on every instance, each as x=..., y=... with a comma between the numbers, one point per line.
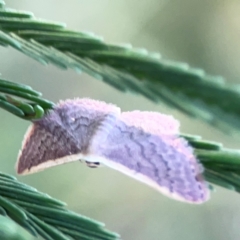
x=44, y=216
x=125, y=68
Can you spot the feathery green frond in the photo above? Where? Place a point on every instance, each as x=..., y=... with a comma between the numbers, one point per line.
x=12, y=231
x=44, y=216
x=32, y=107
x=190, y=90
x=222, y=166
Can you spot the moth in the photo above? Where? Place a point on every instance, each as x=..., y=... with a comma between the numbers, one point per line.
x=143, y=145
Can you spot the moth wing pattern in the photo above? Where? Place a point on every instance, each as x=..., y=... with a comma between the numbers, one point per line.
x=63, y=134
x=87, y=120
x=154, y=155
x=41, y=149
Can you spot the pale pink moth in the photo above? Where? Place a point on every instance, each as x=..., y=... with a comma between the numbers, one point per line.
x=143, y=145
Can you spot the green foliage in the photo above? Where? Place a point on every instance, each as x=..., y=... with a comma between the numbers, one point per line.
x=11, y=231
x=190, y=90
x=44, y=216
x=127, y=69
x=34, y=108
x=222, y=166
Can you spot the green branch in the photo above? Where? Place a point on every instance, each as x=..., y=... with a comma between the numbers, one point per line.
x=12, y=231
x=189, y=90
x=33, y=107
x=44, y=216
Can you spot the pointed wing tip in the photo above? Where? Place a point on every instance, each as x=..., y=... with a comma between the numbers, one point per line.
x=24, y=167
x=20, y=167
x=22, y=172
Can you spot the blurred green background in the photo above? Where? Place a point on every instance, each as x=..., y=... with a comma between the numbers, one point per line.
x=203, y=33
